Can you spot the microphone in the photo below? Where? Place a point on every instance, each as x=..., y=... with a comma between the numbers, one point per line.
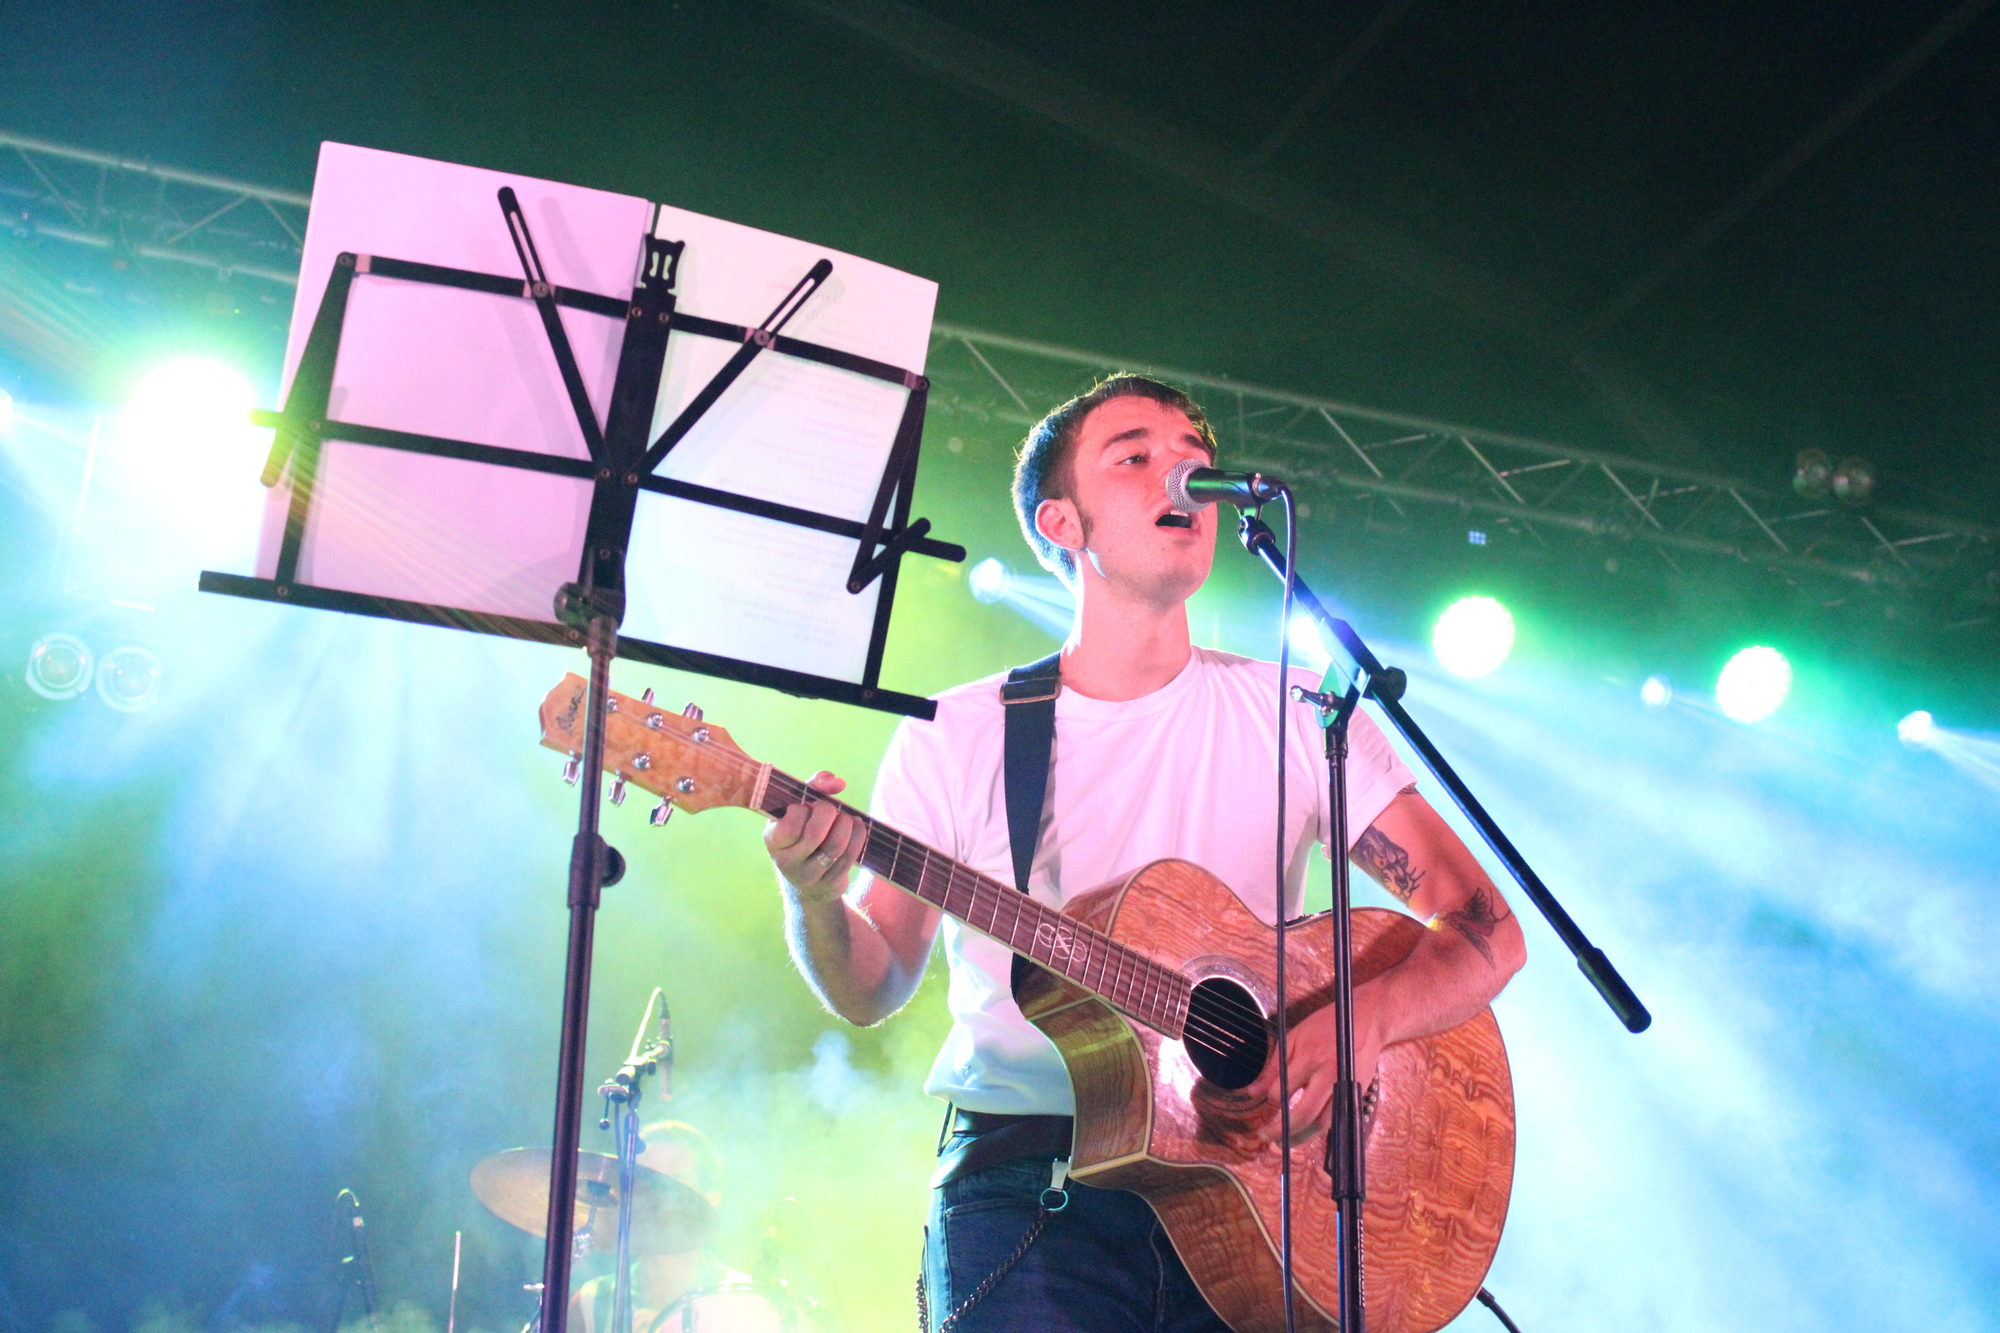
x=1190, y=486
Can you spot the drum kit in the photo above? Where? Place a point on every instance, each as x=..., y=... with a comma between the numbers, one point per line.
x=641, y=1218
x=668, y=1217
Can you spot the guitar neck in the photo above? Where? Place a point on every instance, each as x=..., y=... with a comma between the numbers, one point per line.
x=1139, y=987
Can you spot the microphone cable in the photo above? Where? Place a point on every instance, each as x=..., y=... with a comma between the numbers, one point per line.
x=1284, y=1060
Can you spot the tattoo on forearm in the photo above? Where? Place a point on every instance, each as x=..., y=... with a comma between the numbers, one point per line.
x=1476, y=921
x=1388, y=864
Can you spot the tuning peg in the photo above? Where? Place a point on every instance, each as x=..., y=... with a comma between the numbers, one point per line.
x=692, y=711
x=618, y=790
x=647, y=696
x=572, y=770
x=661, y=814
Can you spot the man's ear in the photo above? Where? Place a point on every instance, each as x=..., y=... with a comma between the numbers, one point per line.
x=1058, y=521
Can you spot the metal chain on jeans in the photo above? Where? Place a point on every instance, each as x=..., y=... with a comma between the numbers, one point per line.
x=984, y=1289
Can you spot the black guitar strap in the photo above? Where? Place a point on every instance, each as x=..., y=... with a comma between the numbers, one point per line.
x=1029, y=697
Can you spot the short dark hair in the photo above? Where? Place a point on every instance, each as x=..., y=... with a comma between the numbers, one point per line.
x=1043, y=472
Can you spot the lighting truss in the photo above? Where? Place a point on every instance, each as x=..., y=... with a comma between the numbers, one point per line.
x=1404, y=469
x=139, y=210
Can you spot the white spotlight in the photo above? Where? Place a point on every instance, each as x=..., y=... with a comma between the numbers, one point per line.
x=59, y=666
x=1657, y=692
x=1753, y=684
x=194, y=403
x=988, y=580
x=1308, y=647
x=1917, y=730
x=1473, y=636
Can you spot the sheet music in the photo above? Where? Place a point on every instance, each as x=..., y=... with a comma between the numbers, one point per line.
x=477, y=367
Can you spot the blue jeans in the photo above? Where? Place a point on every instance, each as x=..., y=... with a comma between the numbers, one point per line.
x=1102, y=1264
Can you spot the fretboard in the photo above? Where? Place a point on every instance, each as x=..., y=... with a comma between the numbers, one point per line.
x=1139, y=987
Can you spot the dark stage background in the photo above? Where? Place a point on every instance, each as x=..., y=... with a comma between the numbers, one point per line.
x=298, y=926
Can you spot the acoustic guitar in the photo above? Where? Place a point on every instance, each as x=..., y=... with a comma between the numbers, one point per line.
x=1157, y=993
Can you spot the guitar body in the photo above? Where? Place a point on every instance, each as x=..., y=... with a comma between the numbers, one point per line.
x=1439, y=1133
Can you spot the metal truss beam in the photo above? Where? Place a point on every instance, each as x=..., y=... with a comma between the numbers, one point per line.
x=1412, y=464
x=1538, y=487
x=139, y=210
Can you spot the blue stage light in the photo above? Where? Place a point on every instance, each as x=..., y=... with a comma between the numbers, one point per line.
x=59, y=666
x=128, y=679
x=1917, y=730
x=988, y=580
x=1657, y=692
x=1473, y=636
x=6, y=411
x=1753, y=684
x=1308, y=646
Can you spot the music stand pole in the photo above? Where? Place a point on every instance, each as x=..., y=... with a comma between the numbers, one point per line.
x=592, y=865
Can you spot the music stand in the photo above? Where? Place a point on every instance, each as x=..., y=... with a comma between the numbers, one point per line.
x=447, y=466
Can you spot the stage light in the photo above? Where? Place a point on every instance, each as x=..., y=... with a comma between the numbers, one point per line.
x=1812, y=474
x=1473, y=636
x=128, y=679
x=59, y=666
x=1657, y=692
x=1308, y=647
x=988, y=580
x=6, y=410
x=193, y=403
x=1753, y=684
x=1917, y=730
x=1854, y=481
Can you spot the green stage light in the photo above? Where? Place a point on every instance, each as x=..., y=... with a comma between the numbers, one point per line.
x=1753, y=684
x=1657, y=692
x=1473, y=636
x=1917, y=730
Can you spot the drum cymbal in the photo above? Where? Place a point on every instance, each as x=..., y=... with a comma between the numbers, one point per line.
x=667, y=1216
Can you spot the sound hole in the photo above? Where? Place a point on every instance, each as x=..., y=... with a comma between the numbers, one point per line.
x=1226, y=1037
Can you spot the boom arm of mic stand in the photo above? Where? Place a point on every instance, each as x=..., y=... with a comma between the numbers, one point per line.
x=1385, y=687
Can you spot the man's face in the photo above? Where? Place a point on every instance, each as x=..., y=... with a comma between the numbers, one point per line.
x=1119, y=463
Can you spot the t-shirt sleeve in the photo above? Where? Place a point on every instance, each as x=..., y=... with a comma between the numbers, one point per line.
x=1375, y=774
x=912, y=788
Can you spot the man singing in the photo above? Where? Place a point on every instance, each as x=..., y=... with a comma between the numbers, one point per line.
x=1162, y=749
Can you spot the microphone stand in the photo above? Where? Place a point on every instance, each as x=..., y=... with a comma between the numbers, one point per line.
x=1346, y=1164
x=625, y=1088
x=1385, y=685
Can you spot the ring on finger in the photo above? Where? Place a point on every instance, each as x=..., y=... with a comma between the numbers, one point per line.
x=820, y=860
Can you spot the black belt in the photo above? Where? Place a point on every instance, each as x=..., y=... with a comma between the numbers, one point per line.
x=980, y=1139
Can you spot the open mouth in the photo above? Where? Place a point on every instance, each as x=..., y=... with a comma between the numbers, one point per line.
x=1170, y=519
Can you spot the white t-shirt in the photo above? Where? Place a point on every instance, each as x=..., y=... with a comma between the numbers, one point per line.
x=1187, y=771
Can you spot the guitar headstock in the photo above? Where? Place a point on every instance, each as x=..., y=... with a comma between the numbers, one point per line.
x=677, y=756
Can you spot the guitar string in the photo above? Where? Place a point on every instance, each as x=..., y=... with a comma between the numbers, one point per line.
x=982, y=891
x=1241, y=1007
x=1112, y=958
x=1126, y=976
